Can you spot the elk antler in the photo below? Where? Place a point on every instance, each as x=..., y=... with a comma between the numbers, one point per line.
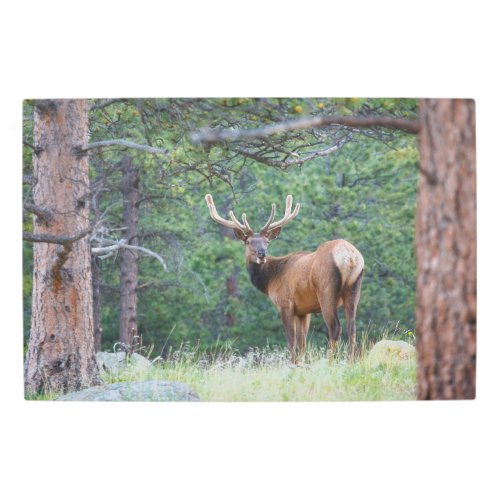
x=289, y=215
x=233, y=223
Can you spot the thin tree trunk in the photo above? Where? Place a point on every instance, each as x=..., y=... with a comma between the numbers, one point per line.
x=446, y=251
x=232, y=292
x=96, y=303
x=96, y=268
x=231, y=282
x=129, y=262
x=61, y=347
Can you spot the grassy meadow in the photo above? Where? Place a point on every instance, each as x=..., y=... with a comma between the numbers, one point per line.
x=267, y=375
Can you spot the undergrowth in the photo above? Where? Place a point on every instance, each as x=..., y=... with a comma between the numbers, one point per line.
x=224, y=374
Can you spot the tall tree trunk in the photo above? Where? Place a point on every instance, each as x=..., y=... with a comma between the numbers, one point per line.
x=61, y=347
x=446, y=251
x=129, y=262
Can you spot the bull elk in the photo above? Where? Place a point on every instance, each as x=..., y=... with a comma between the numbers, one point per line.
x=301, y=283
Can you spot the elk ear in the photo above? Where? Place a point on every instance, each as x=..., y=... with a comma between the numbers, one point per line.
x=273, y=233
x=240, y=234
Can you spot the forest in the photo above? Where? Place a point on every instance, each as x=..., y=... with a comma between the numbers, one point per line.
x=363, y=192
x=129, y=259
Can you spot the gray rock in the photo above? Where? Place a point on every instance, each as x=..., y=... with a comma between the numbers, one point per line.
x=114, y=362
x=150, y=390
x=390, y=352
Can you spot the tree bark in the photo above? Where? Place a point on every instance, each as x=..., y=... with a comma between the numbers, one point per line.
x=61, y=348
x=446, y=251
x=129, y=262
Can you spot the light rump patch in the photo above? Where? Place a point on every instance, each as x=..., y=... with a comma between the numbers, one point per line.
x=348, y=260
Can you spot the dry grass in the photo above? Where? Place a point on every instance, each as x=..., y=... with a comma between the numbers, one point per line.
x=267, y=375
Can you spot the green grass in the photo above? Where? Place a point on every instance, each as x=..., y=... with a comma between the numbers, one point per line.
x=267, y=375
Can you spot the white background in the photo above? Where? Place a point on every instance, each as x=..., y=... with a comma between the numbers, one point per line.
x=405, y=450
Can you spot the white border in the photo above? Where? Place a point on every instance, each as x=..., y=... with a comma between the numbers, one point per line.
x=360, y=450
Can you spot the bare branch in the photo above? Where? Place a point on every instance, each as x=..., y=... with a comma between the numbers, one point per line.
x=289, y=162
x=31, y=146
x=217, y=135
x=123, y=143
x=102, y=103
x=114, y=246
x=43, y=214
x=57, y=240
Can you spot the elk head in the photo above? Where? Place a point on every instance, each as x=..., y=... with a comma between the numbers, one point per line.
x=255, y=244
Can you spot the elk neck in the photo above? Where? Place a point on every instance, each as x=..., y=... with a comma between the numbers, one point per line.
x=262, y=275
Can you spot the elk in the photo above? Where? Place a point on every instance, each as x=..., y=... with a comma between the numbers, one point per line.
x=301, y=283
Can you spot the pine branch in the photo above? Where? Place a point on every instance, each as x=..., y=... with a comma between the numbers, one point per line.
x=102, y=103
x=296, y=160
x=217, y=135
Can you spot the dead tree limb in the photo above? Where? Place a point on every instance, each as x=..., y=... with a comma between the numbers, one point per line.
x=54, y=239
x=217, y=135
x=43, y=214
x=123, y=143
x=104, y=252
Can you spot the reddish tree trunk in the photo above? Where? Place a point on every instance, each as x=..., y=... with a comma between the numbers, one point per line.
x=446, y=251
x=129, y=262
x=61, y=347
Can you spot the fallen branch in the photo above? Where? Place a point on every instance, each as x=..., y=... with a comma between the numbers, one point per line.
x=216, y=135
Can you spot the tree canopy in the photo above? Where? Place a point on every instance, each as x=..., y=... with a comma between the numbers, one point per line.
x=353, y=183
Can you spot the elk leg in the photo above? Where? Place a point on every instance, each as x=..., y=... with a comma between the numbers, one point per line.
x=329, y=312
x=303, y=323
x=351, y=301
x=288, y=318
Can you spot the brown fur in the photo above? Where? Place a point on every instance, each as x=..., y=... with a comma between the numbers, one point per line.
x=303, y=283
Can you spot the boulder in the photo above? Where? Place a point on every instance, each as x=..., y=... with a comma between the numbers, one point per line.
x=150, y=390
x=114, y=362
x=390, y=352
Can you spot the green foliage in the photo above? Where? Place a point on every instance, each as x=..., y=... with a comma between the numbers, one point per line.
x=364, y=192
